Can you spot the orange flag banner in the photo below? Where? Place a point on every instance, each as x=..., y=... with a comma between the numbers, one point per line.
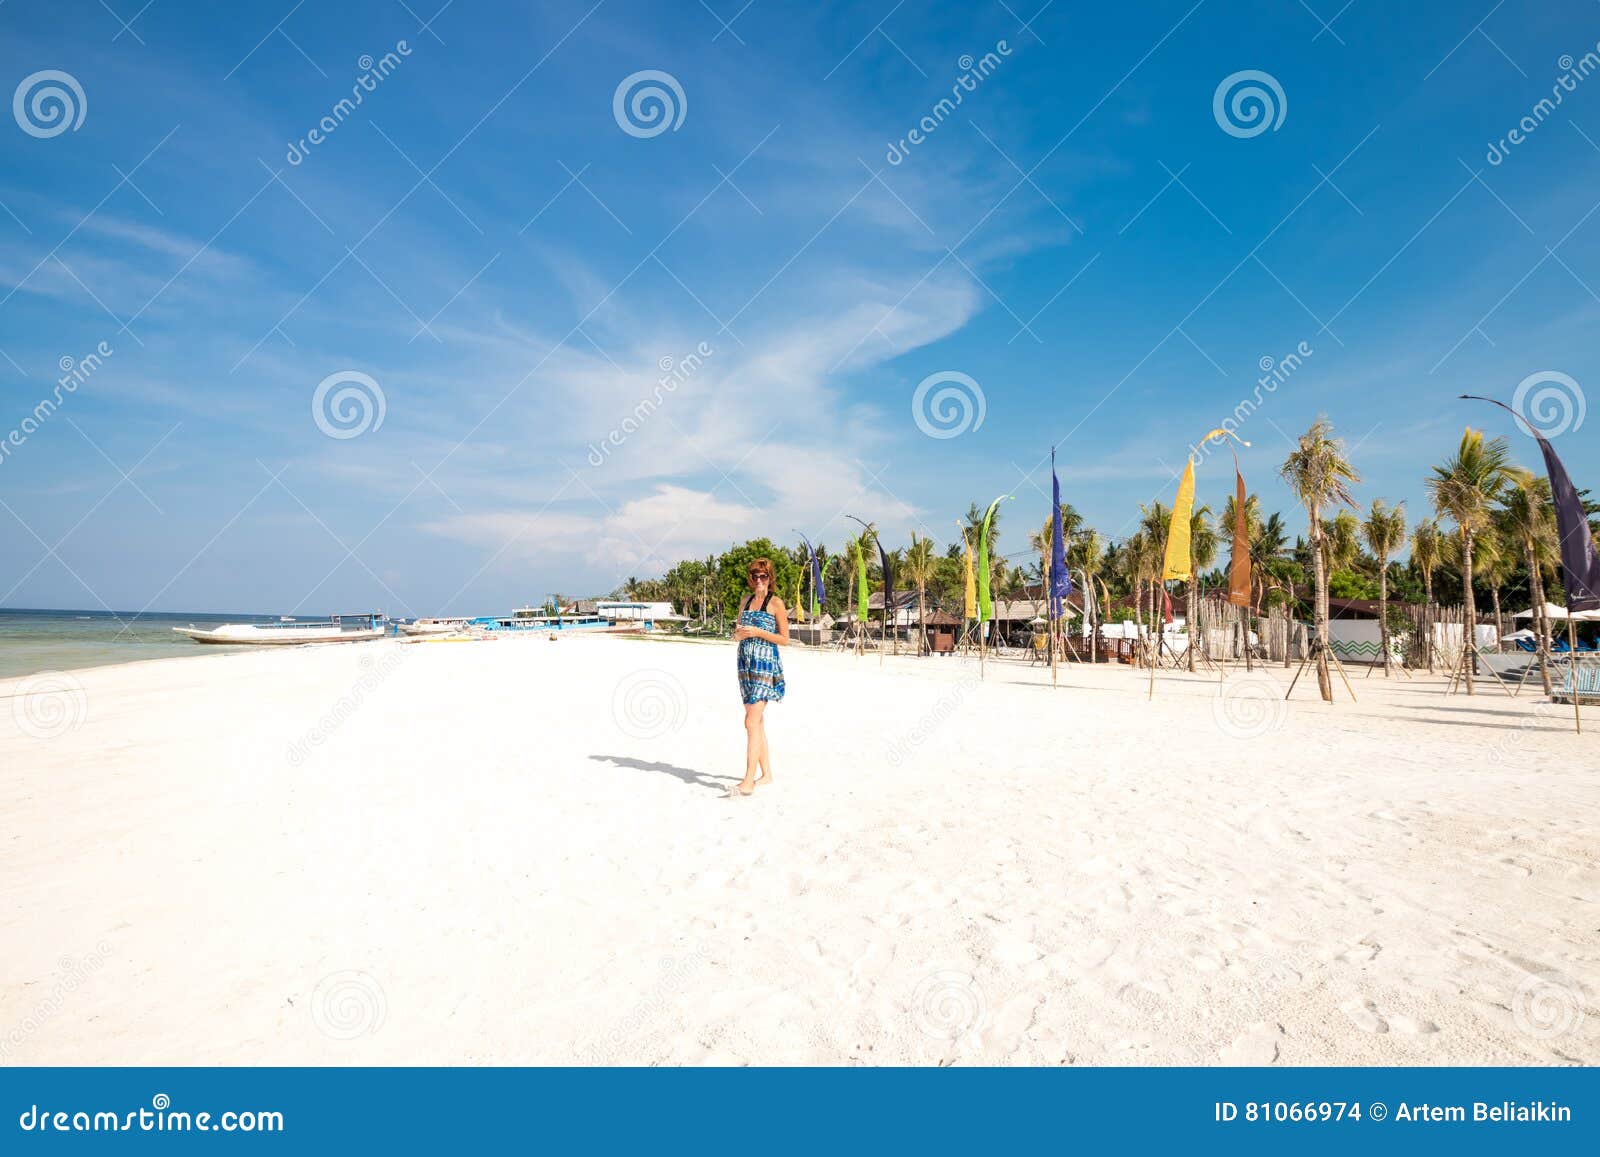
x=1239, y=567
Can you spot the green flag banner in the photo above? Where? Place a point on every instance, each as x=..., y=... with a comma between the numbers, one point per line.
x=985, y=603
x=861, y=583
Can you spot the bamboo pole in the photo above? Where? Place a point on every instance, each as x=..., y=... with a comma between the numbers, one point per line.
x=1155, y=655
x=1572, y=666
x=982, y=644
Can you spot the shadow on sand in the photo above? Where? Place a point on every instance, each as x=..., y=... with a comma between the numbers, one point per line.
x=717, y=783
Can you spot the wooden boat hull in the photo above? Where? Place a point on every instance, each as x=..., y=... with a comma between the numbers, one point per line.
x=223, y=636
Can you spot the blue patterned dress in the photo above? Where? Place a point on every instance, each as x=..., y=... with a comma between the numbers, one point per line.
x=760, y=668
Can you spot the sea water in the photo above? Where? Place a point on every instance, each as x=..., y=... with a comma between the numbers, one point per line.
x=32, y=641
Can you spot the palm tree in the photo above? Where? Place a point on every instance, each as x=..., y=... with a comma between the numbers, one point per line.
x=1203, y=544
x=1044, y=543
x=1341, y=541
x=1155, y=525
x=1385, y=533
x=918, y=568
x=1086, y=554
x=1126, y=560
x=1528, y=520
x=1495, y=562
x=853, y=546
x=891, y=614
x=974, y=523
x=1320, y=476
x=1269, y=551
x=1465, y=489
x=1427, y=555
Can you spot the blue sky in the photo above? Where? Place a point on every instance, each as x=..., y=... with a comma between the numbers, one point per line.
x=483, y=240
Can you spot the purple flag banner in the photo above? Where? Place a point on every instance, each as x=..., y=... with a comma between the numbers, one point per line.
x=1580, y=568
x=1060, y=579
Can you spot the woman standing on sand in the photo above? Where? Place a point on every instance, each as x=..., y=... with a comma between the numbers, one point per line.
x=763, y=628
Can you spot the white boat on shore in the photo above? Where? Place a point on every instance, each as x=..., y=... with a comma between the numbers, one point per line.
x=333, y=629
x=435, y=626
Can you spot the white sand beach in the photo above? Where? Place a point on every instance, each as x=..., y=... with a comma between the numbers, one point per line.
x=521, y=852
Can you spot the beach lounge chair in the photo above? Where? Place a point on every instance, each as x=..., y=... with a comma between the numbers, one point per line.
x=1526, y=645
x=1581, y=679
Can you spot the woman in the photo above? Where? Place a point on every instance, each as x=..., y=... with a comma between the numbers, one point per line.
x=763, y=628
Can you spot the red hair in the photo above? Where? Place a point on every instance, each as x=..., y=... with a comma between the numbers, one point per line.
x=762, y=565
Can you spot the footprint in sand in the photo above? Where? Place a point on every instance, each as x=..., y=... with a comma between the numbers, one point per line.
x=1415, y=1027
x=1362, y=952
x=1366, y=1016
x=1256, y=1046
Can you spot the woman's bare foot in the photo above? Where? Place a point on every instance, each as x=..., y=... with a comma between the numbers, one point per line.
x=743, y=787
x=764, y=778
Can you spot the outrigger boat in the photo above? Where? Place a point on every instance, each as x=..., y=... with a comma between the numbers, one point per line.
x=333, y=629
x=435, y=626
x=539, y=619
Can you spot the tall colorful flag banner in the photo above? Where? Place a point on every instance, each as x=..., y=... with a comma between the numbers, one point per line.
x=1177, y=564
x=969, y=596
x=1580, y=568
x=1239, y=565
x=884, y=562
x=815, y=564
x=985, y=603
x=861, y=579
x=1060, y=578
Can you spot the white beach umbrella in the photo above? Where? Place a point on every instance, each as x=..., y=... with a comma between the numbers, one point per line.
x=1551, y=611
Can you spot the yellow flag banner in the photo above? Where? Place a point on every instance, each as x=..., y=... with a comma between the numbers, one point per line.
x=1176, y=565
x=1239, y=568
x=970, y=595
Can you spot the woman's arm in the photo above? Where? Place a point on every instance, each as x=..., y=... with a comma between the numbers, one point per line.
x=781, y=613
